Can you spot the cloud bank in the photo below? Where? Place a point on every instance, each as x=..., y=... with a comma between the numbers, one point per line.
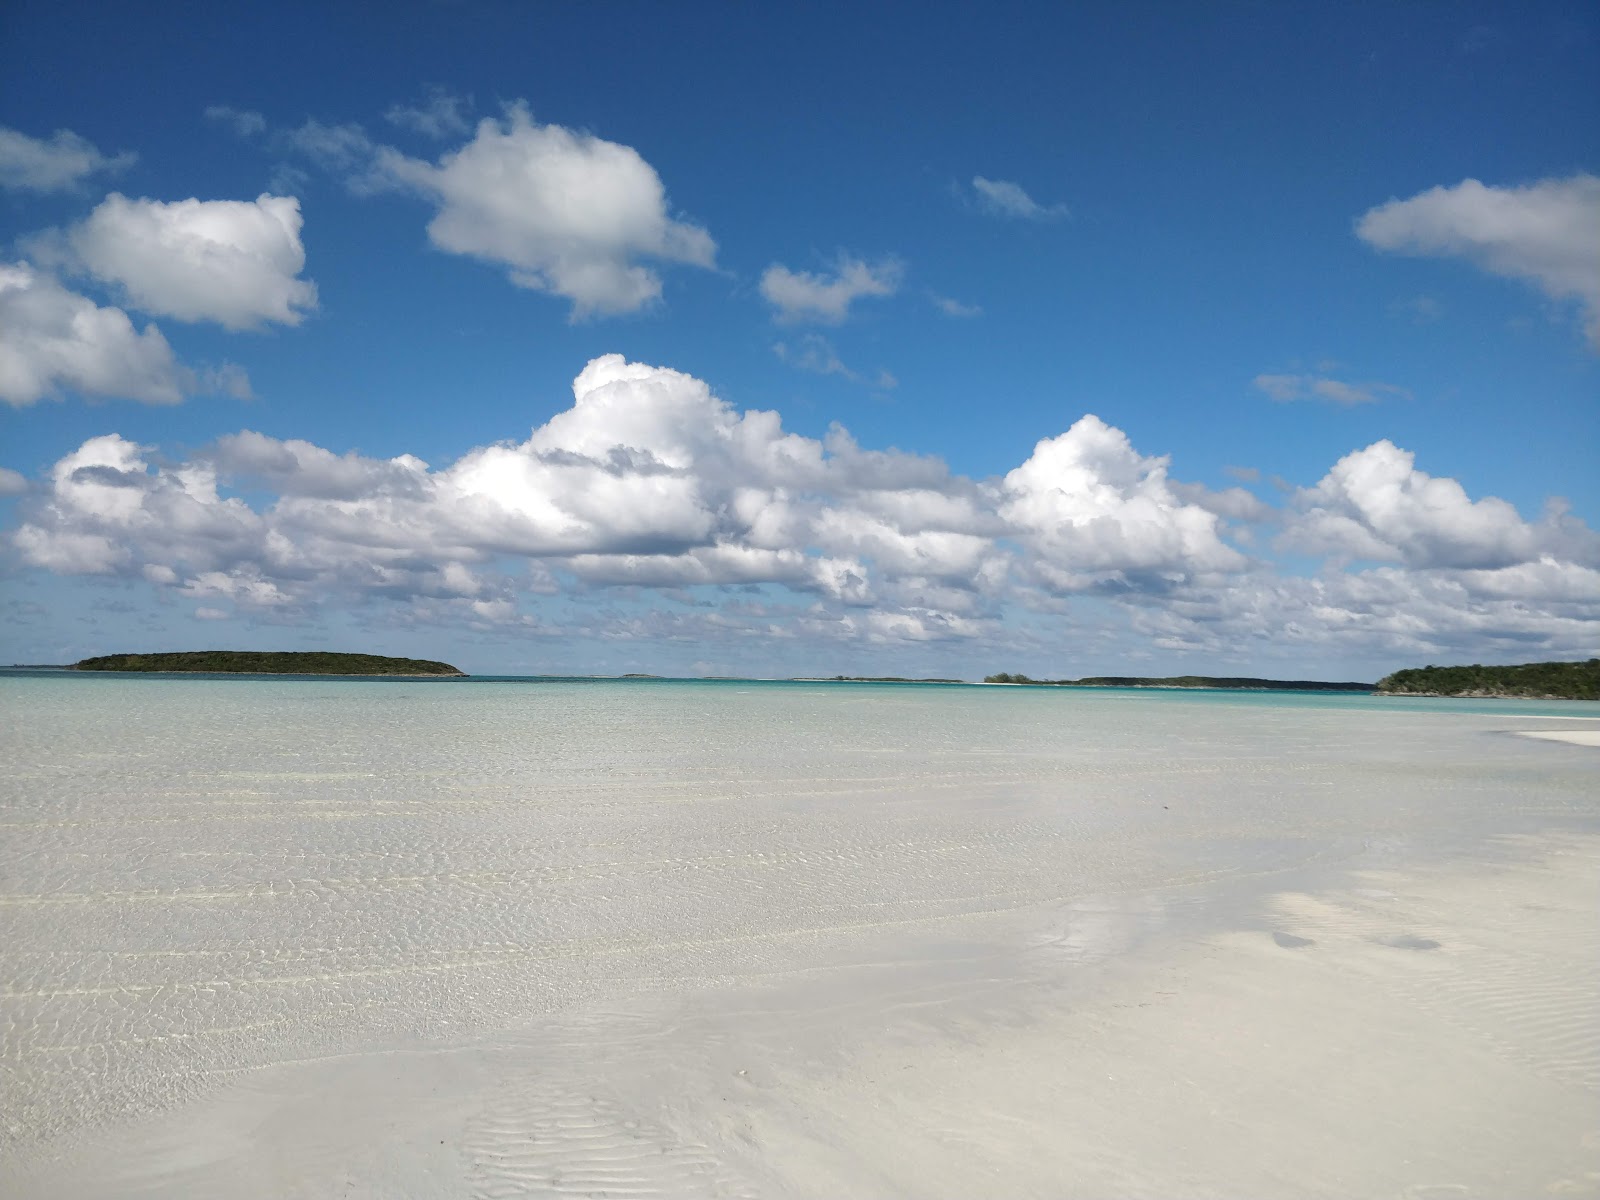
x=651, y=482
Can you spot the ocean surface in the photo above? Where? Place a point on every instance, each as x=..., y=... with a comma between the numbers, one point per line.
x=202, y=878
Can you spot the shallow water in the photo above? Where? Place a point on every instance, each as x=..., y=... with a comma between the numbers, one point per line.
x=203, y=878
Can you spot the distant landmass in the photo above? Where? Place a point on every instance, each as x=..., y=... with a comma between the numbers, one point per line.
x=1187, y=681
x=867, y=679
x=253, y=662
x=1530, y=681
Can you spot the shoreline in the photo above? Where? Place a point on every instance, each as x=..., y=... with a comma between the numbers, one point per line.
x=1480, y=694
x=1572, y=737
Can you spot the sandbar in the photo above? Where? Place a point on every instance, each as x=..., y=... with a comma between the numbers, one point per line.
x=1575, y=737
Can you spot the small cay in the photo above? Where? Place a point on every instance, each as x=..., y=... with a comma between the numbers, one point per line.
x=258, y=662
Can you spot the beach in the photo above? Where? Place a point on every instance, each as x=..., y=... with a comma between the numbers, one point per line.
x=647, y=938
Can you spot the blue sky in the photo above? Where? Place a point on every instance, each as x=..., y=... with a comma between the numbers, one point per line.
x=1326, y=278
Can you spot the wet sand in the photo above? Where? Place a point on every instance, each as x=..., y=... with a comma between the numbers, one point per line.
x=291, y=940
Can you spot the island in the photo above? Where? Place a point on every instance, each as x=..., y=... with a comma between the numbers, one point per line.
x=866, y=679
x=1527, y=681
x=1186, y=681
x=256, y=662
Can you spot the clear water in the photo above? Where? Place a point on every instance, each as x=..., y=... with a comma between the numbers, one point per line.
x=205, y=875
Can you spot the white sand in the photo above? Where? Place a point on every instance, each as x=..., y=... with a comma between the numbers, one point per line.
x=787, y=943
x=1576, y=737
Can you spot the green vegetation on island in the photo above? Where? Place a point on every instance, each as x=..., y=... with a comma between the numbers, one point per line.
x=1186, y=681
x=1529, y=681
x=253, y=662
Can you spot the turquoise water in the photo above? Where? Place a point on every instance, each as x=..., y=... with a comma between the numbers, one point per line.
x=1239, y=697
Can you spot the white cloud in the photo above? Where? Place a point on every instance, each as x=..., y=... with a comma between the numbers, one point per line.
x=802, y=296
x=1002, y=198
x=813, y=352
x=954, y=308
x=566, y=212
x=1375, y=504
x=338, y=148
x=52, y=338
x=55, y=165
x=1390, y=614
x=649, y=481
x=242, y=121
x=234, y=262
x=12, y=483
x=1096, y=512
x=439, y=116
x=1546, y=232
x=1286, y=388
x=1234, y=503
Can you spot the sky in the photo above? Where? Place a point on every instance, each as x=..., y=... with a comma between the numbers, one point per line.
x=913, y=339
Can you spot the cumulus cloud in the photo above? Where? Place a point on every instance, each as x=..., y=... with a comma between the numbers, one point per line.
x=1234, y=503
x=235, y=262
x=1287, y=388
x=565, y=212
x=1547, y=233
x=1002, y=198
x=53, y=339
x=647, y=480
x=1096, y=512
x=1375, y=504
x=1539, y=609
x=650, y=481
x=57, y=164
x=798, y=296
